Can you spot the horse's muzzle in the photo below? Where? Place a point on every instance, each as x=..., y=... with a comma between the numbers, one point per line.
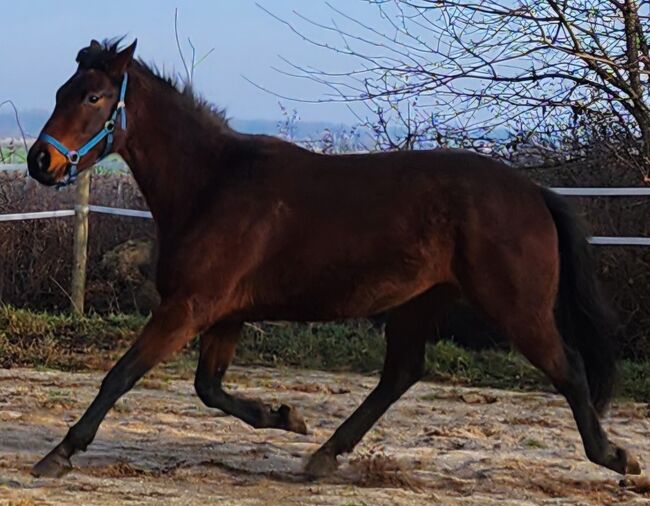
x=38, y=165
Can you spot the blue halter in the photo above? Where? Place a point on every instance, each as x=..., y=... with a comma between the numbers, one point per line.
x=74, y=155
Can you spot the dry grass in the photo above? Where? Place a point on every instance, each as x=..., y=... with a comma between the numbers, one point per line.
x=120, y=469
x=373, y=468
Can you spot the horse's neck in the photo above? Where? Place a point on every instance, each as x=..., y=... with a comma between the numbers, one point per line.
x=165, y=158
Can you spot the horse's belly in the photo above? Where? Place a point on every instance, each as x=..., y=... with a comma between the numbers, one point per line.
x=344, y=293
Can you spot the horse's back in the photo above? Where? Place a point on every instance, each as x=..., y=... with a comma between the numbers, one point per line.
x=367, y=232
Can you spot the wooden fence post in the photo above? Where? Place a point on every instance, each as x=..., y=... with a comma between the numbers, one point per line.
x=80, y=246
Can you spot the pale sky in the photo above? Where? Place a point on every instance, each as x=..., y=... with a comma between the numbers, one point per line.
x=39, y=40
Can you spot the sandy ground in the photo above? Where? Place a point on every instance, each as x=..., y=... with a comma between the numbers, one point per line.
x=438, y=445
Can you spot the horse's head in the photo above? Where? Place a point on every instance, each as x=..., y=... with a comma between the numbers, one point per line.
x=90, y=108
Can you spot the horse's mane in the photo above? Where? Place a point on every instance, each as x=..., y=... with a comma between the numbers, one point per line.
x=97, y=57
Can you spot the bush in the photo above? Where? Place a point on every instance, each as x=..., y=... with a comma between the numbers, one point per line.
x=36, y=256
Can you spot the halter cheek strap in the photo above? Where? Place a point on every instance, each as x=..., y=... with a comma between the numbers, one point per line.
x=74, y=155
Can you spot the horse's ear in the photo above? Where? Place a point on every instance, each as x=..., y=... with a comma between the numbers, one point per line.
x=118, y=64
x=94, y=47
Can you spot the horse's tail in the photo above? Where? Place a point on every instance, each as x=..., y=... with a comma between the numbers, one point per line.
x=583, y=316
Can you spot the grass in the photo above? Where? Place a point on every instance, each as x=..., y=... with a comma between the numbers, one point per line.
x=15, y=154
x=65, y=342
x=534, y=444
x=61, y=341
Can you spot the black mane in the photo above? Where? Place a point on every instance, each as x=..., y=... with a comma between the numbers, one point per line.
x=96, y=56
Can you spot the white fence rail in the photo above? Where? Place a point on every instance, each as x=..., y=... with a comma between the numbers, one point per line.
x=116, y=211
x=62, y=213
x=41, y=215
x=603, y=192
x=582, y=192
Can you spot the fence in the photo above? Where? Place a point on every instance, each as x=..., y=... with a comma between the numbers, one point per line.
x=83, y=208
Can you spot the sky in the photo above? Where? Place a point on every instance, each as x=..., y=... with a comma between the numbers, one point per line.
x=39, y=40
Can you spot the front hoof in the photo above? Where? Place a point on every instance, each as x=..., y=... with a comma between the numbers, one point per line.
x=53, y=465
x=291, y=420
x=321, y=464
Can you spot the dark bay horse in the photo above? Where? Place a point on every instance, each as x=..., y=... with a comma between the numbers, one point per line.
x=254, y=228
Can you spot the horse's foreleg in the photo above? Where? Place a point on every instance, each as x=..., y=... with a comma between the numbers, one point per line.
x=217, y=352
x=167, y=331
x=406, y=333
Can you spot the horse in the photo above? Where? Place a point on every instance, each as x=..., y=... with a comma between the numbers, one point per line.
x=255, y=228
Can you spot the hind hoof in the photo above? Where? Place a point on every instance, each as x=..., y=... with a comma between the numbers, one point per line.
x=321, y=464
x=638, y=484
x=53, y=465
x=291, y=420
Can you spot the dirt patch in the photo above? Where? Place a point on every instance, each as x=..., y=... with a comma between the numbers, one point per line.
x=438, y=445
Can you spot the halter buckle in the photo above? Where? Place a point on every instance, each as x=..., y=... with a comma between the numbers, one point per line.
x=73, y=157
x=109, y=126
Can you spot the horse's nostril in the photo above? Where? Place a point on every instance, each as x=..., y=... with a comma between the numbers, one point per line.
x=41, y=161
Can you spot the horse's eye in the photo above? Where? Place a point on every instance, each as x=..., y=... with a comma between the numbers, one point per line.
x=93, y=99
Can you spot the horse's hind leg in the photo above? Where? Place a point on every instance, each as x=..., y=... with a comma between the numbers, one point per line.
x=168, y=330
x=542, y=344
x=573, y=385
x=216, y=353
x=517, y=292
x=407, y=330
x=544, y=347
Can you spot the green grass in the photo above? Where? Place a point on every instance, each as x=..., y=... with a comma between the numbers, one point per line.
x=65, y=342
x=534, y=444
x=14, y=154
x=354, y=346
x=61, y=341
x=358, y=346
x=634, y=380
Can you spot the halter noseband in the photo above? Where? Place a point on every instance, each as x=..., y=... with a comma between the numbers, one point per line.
x=74, y=155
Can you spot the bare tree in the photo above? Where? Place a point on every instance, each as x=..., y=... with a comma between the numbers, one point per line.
x=190, y=62
x=468, y=69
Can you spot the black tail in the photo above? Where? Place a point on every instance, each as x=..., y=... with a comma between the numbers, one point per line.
x=583, y=316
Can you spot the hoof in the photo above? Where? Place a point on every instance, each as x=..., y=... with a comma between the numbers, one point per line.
x=321, y=464
x=291, y=420
x=638, y=484
x=632, y=465
x=54, y=465
x=623, y=462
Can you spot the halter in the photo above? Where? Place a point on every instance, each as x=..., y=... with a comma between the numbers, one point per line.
x=74, y=155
